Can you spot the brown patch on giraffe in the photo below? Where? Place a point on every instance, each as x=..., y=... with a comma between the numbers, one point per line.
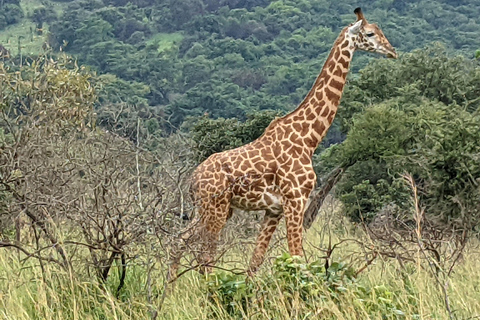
x=301, y=179
x=336, y=54
x=297, y=126
x=256, y=160
x=245, y=166
x=297, y=193
x=345, y=44
x=319, y=127
x=330, y=67
x=297, y=118
x=336, y=84
x=254, y=153
x=296, y=151
x=286, y=164
x=347, y=54
x=296, y=164
x=272, y=223
x=324, y=112
x=310, y=142
x=319, y=95
x=307, y=188
x=332, y=96
x=260, y=166
x=290, y=176
x=305, y=129
x=252, y=196
x=311, y=116
x=344, y=63
x=269, y=178
x=296, y=139
x=338, y=72
x=331, y=116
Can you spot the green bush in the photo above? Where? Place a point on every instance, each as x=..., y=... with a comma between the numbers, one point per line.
x=216, y=135
x=292, y=280
x=435, y=143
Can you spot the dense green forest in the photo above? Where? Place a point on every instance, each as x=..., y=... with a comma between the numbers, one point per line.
x=169, y=60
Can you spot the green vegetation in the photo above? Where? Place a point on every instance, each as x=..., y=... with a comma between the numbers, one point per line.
x=165, y=41
x=228, y=58
x=211, y=136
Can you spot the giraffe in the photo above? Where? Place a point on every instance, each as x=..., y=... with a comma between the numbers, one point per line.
x=274, y=173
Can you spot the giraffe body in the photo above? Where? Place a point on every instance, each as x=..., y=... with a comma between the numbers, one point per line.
x=275, y=173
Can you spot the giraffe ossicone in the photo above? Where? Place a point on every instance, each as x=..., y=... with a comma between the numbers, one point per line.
x=274, y=173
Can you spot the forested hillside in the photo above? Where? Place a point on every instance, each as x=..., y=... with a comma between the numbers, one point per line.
x=168, y=60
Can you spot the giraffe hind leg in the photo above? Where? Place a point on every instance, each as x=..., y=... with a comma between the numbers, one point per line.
x=212, y=224
x=202, y=234
x=200, y=239
x=269, y=225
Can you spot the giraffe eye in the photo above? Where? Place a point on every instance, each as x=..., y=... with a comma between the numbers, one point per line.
x=370, y=34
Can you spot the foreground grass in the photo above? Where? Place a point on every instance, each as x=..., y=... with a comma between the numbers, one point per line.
x=28, y=293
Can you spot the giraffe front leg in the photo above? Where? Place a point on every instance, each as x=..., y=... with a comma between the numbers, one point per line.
x=294, y=210
x=269, y=224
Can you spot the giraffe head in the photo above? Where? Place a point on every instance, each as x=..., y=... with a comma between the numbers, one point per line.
x=368, y=37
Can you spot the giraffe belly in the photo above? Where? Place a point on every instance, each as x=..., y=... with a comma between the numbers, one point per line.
x=258, y=198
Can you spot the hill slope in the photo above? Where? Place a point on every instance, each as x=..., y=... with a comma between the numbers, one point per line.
x=230, y=57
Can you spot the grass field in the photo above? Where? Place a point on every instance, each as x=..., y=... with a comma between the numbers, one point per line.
x=165, y=41
x=30, y=42
x=27, y=293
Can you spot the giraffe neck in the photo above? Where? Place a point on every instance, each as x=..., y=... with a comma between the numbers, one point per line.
x=315, y=114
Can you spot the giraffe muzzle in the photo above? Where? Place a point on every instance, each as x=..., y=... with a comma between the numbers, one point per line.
x=392, y=54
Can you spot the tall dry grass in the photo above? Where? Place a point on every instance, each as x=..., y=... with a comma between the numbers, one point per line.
x=27, y=292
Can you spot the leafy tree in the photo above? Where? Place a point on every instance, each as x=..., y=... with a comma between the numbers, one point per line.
x=429, y=72
x=10, y=13
x=43, y=14
x=216, y=135
x=434, y=142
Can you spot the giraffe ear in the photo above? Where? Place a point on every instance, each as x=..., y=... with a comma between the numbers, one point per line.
x=355, y=28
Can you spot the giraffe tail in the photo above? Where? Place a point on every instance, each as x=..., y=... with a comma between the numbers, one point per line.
x=318, y=198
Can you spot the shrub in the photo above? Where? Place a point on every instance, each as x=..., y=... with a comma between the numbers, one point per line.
x=437, y=144
x=292, y=281
x=216, y=135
